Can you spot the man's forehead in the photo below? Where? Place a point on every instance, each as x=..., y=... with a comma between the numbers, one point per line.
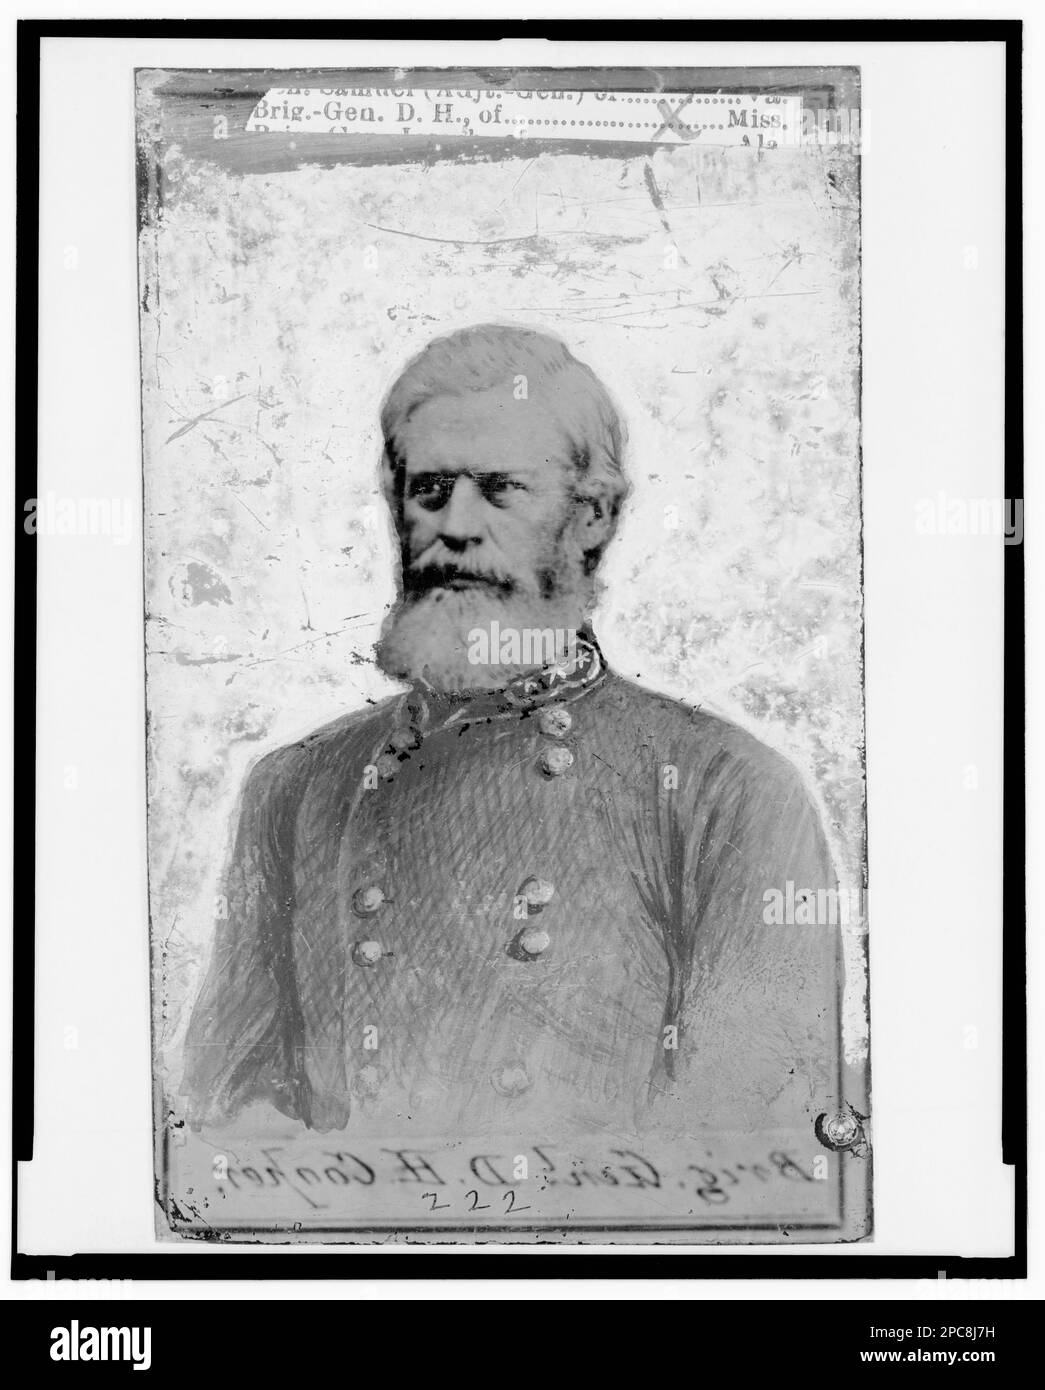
x=484, y=430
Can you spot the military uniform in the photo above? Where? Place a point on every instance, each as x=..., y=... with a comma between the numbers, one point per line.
x=538, y=909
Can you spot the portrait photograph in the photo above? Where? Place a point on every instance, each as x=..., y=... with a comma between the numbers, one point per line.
x=502, y=506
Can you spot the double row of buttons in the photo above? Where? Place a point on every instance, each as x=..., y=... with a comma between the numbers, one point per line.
x=531, y=941
x=555, y=759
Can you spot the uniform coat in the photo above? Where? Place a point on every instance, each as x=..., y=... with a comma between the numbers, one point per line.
x=539, y=907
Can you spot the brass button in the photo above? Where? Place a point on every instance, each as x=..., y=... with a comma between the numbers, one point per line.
x=556, y=721
x=367, y=1082
x=404, y=740
x=387, y=766
x=367, y=901
x=556, y=761
x=511, y=1080
x=367, y=953
x=533, y=942
x=537, y=893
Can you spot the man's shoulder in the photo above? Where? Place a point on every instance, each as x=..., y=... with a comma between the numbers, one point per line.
x=342, y=739
x=671, y=725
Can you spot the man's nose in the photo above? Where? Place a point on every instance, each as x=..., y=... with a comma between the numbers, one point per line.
x=460, y=519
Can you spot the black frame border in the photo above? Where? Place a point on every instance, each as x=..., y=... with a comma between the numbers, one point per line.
x=351, y=1262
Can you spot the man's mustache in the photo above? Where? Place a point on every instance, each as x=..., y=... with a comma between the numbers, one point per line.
x=422, y=579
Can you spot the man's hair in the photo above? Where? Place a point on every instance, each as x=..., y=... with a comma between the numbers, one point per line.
x=491, y=354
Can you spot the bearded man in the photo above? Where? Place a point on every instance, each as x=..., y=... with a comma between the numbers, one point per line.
x=521, y=896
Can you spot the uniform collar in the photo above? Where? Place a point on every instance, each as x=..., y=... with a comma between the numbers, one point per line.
x=563, y=680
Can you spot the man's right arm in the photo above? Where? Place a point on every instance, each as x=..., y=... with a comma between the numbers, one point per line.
x=244, y=1040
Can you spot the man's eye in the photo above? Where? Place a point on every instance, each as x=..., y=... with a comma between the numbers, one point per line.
x=496, y=488
x=431, y=490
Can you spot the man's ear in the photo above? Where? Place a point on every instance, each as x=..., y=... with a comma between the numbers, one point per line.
x=591, y=527
x=592, y=522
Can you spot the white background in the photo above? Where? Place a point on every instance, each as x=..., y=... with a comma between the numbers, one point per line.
x=933, y=186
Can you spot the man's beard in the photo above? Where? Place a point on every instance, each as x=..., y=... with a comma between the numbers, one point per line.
x=430, y=634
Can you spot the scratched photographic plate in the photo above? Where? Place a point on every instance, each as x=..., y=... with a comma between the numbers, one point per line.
x=693, y=237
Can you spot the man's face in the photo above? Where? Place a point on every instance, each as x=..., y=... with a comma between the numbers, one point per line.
x=490, y=532
x=485, y=499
